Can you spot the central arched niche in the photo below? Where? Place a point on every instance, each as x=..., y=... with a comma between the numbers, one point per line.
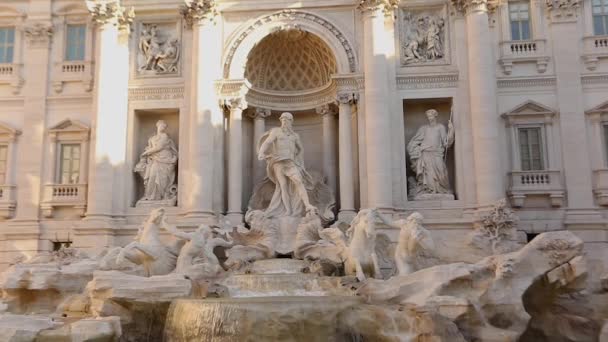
x=290, y=61
x=290, y=70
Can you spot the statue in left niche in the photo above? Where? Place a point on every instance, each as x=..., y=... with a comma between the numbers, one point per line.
x=158, y=54
x=157, y=167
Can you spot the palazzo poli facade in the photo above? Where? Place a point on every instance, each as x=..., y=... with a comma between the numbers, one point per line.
x=520, y=89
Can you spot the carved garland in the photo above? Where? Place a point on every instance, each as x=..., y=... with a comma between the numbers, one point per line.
x=38, y=34
x=387, y=6
x=562, y=9
x=291, y=15
x=463, y=6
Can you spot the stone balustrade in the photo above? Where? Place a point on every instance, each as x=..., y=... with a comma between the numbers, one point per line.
x=594, y=48
x=521, y=51
x=600, y=186
x=64, y=195
x=10, y=73
x=7, y=200
x=73, y=71
x=545, y=182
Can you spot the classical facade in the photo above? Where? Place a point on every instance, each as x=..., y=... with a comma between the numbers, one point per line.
x=109, y=109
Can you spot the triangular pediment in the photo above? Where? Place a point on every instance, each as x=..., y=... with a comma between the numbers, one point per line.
x=530, y=108
x=599, y=109
x=69, y=125
x=5, y=129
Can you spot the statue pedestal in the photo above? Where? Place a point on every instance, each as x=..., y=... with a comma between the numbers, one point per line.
x=288, y=228
x=434, y=197
x=156, y=204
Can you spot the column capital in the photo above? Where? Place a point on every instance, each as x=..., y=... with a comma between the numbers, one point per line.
x=471, y=6
x=260, y=113
x=237, y=103
x=563, y=10
x=38, y=34
x=325, y=110
x=111, y=12
x=198, y=11
x=387, y=6
x=345, y=97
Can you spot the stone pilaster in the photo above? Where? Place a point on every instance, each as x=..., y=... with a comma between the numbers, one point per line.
x=346, y=165
x=485, y=120
x=377, y=103
x=259, y=128
x=206, y=115
x=110, y=109
x=563, y=17
x=235, y=160
x=330, y=166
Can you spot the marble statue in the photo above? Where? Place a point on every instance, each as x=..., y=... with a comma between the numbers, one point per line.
x=156, y=167
x=282, y=149
x=427, y=151
x=257, y=243
x=196, y=258
x=313, y=242
x=414, y=240
x=423, y=38
x=148, y=249
x=157, y=54
x=362, y=260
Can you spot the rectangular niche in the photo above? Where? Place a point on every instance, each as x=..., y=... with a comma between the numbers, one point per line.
x=144, y=127
x=414, y=118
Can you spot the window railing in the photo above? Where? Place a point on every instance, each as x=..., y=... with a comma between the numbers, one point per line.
x=545, y=182
x=523, y=48
x=64, y=195
x=594, y=48
x=6, y=69
x=73, y=71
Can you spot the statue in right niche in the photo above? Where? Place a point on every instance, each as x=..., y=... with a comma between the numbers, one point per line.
x=427, y=151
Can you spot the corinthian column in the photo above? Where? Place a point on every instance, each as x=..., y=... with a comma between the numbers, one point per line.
x=259, y=127
x=329, y=145
x=377, y=114
x=489, y=174
x=206, y=115
x=235, y=161
x=110, y=102
x=345, y=143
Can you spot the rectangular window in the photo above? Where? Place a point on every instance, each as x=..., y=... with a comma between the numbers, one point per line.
x=75, y=41
x=530, y=149
x=519, y=16
x=3, y=166
x=69, y=167
x=7, y=44
x=600, y=17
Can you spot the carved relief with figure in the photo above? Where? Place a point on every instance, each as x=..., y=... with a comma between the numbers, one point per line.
x=158, y=50
x=423, y=37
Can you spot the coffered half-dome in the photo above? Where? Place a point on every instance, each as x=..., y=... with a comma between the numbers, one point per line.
x=290, y=61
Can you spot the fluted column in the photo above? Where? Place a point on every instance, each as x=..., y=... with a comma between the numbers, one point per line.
x=110, y=105
x=235, y=160
x=259, y=127
x=201, y=16
x=377, y=113
x=346, y=165
x=328, y=116
x=489, y=174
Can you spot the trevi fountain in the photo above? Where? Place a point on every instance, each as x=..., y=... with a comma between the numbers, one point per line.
x=186, y=221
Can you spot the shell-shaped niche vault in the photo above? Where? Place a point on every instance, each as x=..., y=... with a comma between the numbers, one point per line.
x=290, y=61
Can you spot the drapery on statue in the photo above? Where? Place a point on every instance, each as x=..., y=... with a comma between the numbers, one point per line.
x=427, y=155
x=294, y=191
x=157, y=168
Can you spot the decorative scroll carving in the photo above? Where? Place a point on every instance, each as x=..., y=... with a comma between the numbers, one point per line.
x=464, y=6
x=198, y=10
x=562, y=9
x=38, y=34
x=260, y=113
x=423, y=37
x=111, y=13
x=158, y=50
x=387, y=6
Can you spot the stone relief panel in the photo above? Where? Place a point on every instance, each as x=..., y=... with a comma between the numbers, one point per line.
x=423, y=39
x=158, y=49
